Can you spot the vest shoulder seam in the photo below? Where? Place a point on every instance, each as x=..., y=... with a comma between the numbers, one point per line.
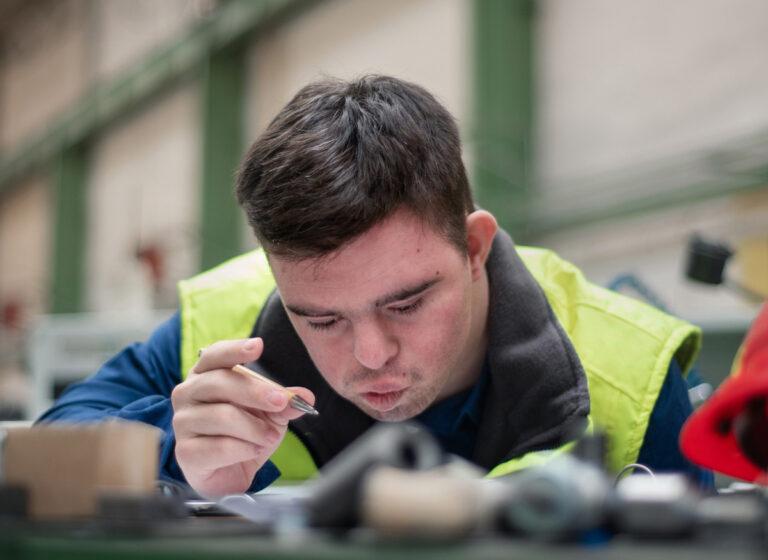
x=608, y=381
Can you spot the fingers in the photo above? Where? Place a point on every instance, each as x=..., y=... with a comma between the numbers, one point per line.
x=208, y=453
x=227, y=386
x=284, y=416
x=221, y=419
x=226, y=353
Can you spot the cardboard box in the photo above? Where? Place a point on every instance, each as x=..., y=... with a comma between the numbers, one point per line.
x=67, y=467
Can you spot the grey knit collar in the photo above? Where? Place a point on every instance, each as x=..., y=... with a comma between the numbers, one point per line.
x=538, y=394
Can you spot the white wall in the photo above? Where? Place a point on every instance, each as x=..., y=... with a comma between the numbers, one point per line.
x=25, y=229
x=127, y=31
x=625, y=87
x=43, y=68
x=623, y=82
x=425, y=41
x=144, y=189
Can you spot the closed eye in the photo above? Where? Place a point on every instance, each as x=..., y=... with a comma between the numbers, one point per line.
x=322, y=325
x=409, y=308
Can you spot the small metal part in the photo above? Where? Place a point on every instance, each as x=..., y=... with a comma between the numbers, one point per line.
x=3, y=436
x=633, y=467
x=300, y=404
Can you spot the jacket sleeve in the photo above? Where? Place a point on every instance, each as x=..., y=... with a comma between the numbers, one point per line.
x=136, y=384
x=660, y=450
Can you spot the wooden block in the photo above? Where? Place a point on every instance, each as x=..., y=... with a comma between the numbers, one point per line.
x=752, y=256
x=68, y=467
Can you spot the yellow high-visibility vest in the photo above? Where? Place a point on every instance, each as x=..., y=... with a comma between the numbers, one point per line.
x=624, y=345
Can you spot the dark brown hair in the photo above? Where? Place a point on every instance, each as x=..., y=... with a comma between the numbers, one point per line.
x=342, y=156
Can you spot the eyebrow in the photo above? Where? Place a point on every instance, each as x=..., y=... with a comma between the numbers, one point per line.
x=399, y=295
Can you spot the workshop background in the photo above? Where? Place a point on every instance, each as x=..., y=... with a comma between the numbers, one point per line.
x=608, y=130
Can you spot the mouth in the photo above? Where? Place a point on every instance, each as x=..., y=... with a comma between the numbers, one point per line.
x=383, y=401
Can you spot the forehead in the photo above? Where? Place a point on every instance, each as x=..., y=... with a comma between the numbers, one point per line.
x=398, y=251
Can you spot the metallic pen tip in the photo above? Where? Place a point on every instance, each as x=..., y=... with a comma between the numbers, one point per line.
x=300, y=404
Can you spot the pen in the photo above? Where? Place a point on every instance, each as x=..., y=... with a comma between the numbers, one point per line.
x=296, y=401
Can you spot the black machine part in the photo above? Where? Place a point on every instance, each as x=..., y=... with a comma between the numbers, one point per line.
x=336, y=495
x=707, y=260
x=751, y=430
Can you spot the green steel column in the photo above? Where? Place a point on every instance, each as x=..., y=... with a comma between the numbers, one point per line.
x=68, y=254
x=503, y=109
x=222, y=132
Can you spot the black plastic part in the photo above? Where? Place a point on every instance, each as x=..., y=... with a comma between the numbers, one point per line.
x=593, y=449
x=335, y=498
x=141, y=508
x=751, y=430
x=14, y=501
x=707, y=260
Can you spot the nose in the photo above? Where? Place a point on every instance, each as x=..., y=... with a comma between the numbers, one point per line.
x=374, y=345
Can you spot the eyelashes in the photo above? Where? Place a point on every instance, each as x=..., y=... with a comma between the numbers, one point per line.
x=410, y=308
x=322, y=326
x=401, y=310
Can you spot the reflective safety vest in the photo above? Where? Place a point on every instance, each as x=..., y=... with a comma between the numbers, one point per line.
x=625, y=346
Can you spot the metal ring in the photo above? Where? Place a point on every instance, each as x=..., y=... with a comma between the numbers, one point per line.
x=3, y=437
x=633, y=466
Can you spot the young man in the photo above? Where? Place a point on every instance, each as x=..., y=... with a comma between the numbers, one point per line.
x=395, y=299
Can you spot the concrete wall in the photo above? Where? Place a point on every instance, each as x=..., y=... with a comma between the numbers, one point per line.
x=43, y=66
x=623, y=83
x=145, y=172
x=126, y=32
x=25, y=227
x=348, y=38
x=144, y=179
x=629, y=87
x=144, y=191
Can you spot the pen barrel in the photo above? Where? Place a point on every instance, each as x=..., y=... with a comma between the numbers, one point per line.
x=296, y=402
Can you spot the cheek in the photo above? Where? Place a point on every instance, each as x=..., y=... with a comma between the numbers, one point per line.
x=440, y=334
x=327, y=353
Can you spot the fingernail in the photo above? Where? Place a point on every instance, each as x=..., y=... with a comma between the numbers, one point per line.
x=277, y=397
x=250, y=345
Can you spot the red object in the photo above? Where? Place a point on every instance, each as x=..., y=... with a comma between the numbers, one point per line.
x=708, y=437
x=11, y=314
x=152, y=257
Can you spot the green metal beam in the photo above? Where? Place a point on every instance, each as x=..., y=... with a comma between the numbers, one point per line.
x=503, y=109
x=68, y=255
x=687, y=195
x=731, y=168
x=232, y=22
x=223, y=132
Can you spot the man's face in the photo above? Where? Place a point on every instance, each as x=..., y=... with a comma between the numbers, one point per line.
x=388, y=320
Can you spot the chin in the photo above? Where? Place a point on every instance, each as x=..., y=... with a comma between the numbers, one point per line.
x=398, y=414
x=389, y=416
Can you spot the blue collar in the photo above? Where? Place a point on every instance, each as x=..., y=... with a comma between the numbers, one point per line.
x=457, y=413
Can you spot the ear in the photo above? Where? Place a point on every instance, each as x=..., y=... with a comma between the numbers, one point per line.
x=481, y=228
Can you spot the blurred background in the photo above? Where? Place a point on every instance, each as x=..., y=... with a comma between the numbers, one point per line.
x=608, y=130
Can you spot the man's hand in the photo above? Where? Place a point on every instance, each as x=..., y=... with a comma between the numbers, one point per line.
x=228, y=424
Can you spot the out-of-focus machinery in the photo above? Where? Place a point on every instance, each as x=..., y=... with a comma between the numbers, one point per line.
x=729, y=432
x=395, y=483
